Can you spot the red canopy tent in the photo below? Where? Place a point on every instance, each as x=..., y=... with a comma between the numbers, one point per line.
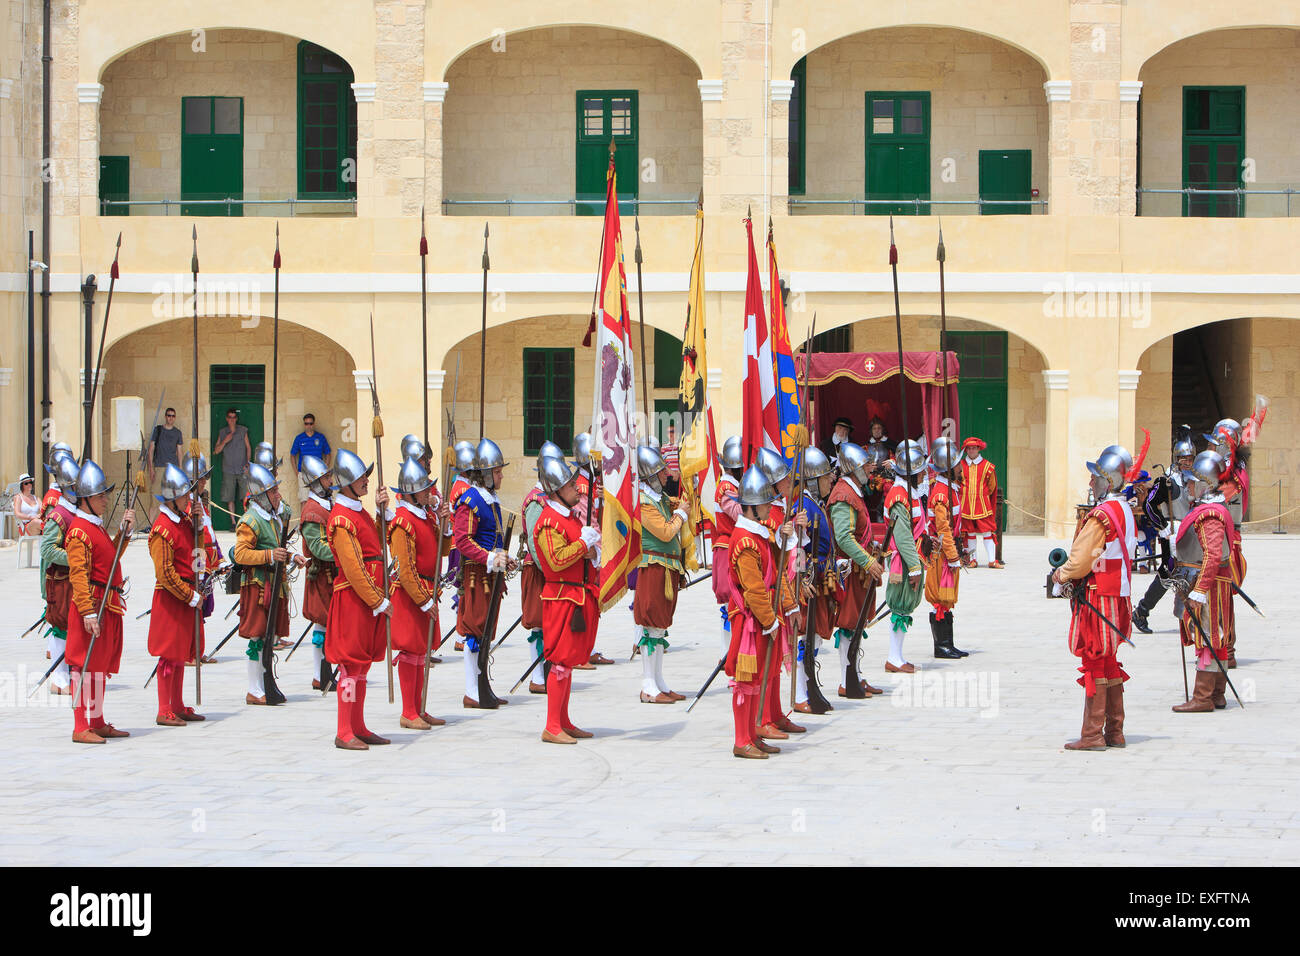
x=858, y=385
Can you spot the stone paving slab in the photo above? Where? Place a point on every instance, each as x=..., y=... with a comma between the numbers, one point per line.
x=960, y=764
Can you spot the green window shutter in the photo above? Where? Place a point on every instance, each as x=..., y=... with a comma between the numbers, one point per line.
x=798, y=151
x=602, y=116
x=1214, y=145
x=115, y=183
x=668, y=360
x=548, y=398
x=327, y=125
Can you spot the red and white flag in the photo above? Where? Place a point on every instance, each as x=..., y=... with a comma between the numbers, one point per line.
x=760, y=427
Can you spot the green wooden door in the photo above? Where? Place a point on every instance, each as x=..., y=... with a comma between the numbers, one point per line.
x=982, y=394
x=898, y=152
x=605, y=116
x=115, y=183
x=212, y=153
x=242, y=387
x=1214, y=145
x=548, y=398
x=1005, y=176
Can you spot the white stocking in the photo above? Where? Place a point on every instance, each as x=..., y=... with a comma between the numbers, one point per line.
x=471, y=673
x=896, y=647
x=801, y=681
x=255, y=685
x=649, y=685
x=991, y=547
x=844, y=660
x=62, y=678
x=659, y=666
x=971, y=541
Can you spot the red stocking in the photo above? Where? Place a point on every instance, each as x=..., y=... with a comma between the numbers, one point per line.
x=164, y=682
x=178, y=688
x=755, y=710
x=359, y=705
x=409, y=676
x=79, y=719
x=346, y=694
x=557, y=711
x=740, y=713
x=95, y=682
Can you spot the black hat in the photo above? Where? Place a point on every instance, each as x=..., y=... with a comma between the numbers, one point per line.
x=843, y=421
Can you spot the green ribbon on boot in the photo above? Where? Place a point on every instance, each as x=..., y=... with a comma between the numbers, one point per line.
x=536, y=638
x=895, y=619
x=843, y=632
x=650, y=643
x=58, y=632
x=254, y=652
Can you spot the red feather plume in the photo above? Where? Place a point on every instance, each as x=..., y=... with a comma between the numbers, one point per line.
x=1142, y=455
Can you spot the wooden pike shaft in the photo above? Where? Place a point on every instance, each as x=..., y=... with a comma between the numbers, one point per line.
x=640, y=306
x=377, y=427
x=482, y=342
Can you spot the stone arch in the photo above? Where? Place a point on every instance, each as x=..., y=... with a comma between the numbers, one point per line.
x=155, y=361
x=131, y=24
x=510, y=126
x=1243, y=356
x=1160, y=30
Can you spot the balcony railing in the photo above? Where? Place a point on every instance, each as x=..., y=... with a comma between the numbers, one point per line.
x=1255, y=202
x=916, y=206
x=564, y=207
x=232, y=206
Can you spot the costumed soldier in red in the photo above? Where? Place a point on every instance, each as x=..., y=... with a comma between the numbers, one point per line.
x=355, y=632
x=1204, y=549
x=531, y=578
x=588, y=498
x=944, y=566
x=851, y=526
x=413, y=540
x=196, y=469
x=177, y=592
x=90, y=559
x=463, y=453
x=1101, y=563
x=726, y=488
x=568, y=553
x=979, y=492
x=257, y=550
x=478, y=531
x=55, y=586
x=785, y=534
x=659, y=575
x=755, y=624
x=318, y=588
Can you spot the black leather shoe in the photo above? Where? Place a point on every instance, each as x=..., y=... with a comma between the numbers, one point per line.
x=1140, y=619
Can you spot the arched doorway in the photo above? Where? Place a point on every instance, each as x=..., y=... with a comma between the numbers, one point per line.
x=235, y=364
x=1215, y=370
x=195, y=124
x=534, y=126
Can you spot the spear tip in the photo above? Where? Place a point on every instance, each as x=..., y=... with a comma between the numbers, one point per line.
x=485, y=233
x=119, y=242
x=196, y=232
x=699, y=203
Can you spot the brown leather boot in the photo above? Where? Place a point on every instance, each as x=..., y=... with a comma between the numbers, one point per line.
x=1114, y=728
x=1220, y=685
x=1094, y=717
x=1202, y=696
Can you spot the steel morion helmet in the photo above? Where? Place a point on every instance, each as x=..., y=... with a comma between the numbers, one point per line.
x=65, y=475
x=260, y=481
x=412, y=477
x=854, y=462
x=464, y=452
x=1228, y=428
x=909, y=458
x=1125, y=455
x=554, y=473
x=1184, y=447
x=772, y=464
x=348, y=468
x=582, y=443
x=487, y=456
x=1108, y=472
x=815, y=463
x=412, y=447
x=945, y=455
x=196, y=468
x=649, y=463
x=91, y=480
x=175, y=484
x=730, y=457
x=316, y=474
x=755, y=489
x=57, y=451
x=549, y=450
x=264, y=455
x=1208, y=469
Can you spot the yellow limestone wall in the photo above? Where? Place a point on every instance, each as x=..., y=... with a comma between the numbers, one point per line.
x=983, y=95
x=510, y=117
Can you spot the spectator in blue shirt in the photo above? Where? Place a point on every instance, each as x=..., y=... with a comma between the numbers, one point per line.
x=309, y=442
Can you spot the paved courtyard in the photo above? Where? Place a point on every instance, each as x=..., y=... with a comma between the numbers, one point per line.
x=961, y=764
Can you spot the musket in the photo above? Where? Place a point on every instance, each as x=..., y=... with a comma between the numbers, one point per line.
x=487, y=699
x=1194, y=616
x=33, y=627
x=508, y=632
x=99, y=359
x=817, y=702
x=1246, y=597
x=377, y=429
x=299, y=641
